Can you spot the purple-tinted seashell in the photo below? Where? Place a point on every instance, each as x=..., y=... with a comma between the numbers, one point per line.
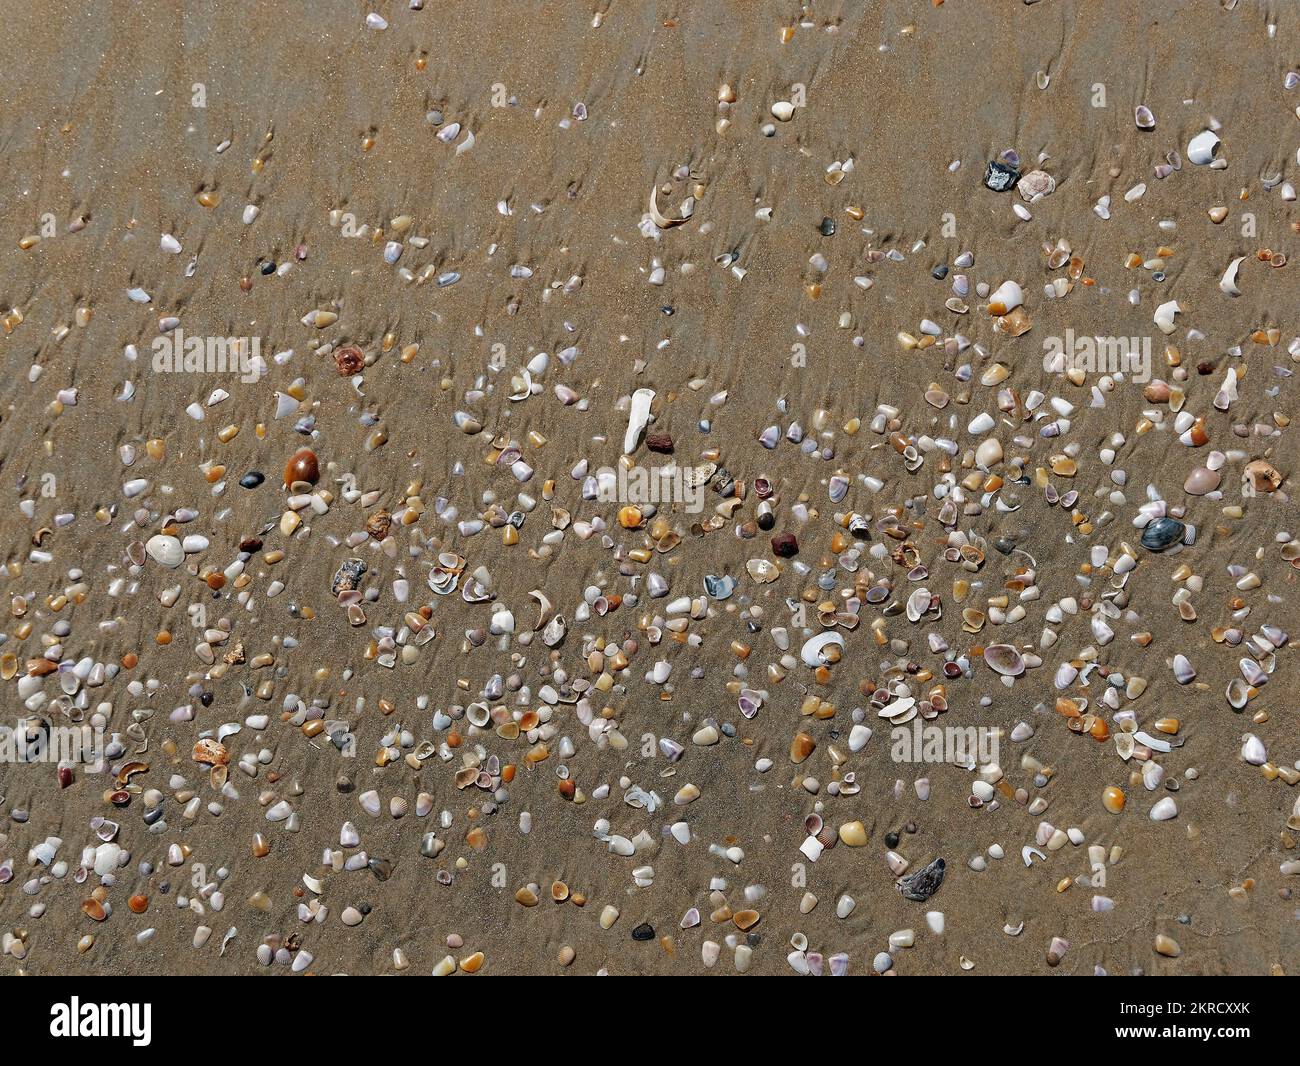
x=1004, y=659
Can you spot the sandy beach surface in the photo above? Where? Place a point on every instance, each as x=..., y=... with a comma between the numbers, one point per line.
x=495, y=266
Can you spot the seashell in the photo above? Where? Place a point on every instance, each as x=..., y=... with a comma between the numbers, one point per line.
x=544, y=608
x=1228, y=283
x=1164, y=316
x=522, y=383
x=638, y=416
x=1202, y=148
x=923, y=884
x=1201, y=480
x=812, y=651
x=1154, y=743
x=1253, y=673
x=1005, y=298
x=1263, y=476
x=663, y=221
x=1164, y=810
x=1162, y=533
x=1143, y=117
x=1004, y=659
x=1035, y=185
x=210, y=752
x=918, y=604
x=165, y=550
x=303, y=467
x=554, y=630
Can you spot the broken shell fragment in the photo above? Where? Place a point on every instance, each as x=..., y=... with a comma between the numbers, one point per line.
x=814, y=652
x=1164, y=316
x=1228, y=283
x=638, y=417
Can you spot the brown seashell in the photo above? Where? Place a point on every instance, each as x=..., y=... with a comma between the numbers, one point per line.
x=211, y=753
x=303, y=466
x=378, y=524
x=350, y=360
x=1263, y=476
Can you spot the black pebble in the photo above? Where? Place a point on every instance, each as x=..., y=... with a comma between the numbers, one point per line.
x=252, y=479
x=644, y=931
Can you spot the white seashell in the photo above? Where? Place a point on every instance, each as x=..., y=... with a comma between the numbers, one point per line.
x=1202, y=148
x=166, y=551
x=1154, y=743
x=811, y=651
x=1252, y=750
x=989, y=453
x=917, y=604
x=1164, y=317
x=1008, y=296
x=1164, y=810
x=1228, y=283
x=637, y=418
